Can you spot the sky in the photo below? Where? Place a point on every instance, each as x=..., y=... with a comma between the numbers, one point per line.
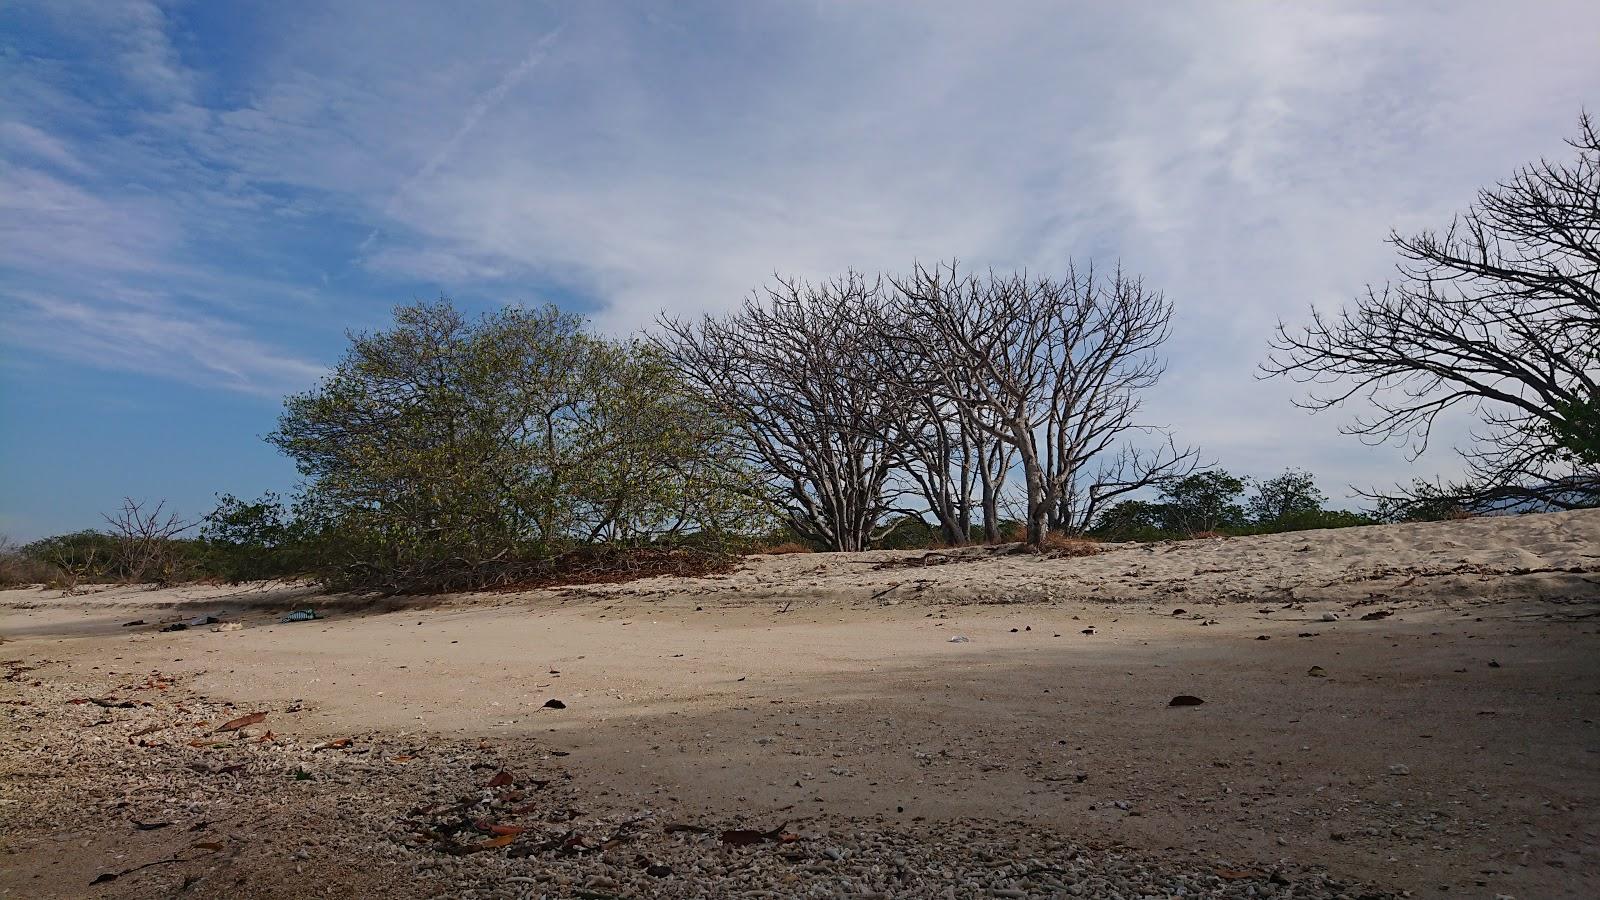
x=199, y=200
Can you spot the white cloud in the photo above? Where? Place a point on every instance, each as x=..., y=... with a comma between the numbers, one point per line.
x=1247, y=158
x=147, y=334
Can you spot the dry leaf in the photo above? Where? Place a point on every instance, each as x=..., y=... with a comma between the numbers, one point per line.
x=339, y=744
x=208, y=845
x=242, y=721
x=501, y=779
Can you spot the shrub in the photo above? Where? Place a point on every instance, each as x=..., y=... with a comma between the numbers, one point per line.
x=18, y=569
x=1203, y=501
x=449, y=454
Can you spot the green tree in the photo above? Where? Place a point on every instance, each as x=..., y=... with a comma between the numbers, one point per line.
x=1133, y=520
x=450, y=453
x=1203, y=501
x=1577, y=430
x=1289, y=496
x=261, y=539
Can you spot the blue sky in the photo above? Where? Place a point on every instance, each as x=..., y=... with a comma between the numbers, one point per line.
x=197, y=200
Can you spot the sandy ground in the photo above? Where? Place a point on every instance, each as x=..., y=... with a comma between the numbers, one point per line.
x=912, y=714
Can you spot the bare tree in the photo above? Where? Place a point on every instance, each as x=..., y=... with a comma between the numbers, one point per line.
x=145, y=547
x=957, y=464
x=1499, y=314
x=787, y=367
x=1052, y=368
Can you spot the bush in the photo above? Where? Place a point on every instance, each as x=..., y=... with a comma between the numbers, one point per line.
x=17, y=569
x=257, y=541
x=1288, y=502
x=77, y=558
x=1203, y=501
x=449, y=454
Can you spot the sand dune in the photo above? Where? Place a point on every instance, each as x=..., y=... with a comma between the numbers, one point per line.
x=977, y=722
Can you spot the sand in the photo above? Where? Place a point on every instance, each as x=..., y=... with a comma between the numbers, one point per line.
x=933, y=701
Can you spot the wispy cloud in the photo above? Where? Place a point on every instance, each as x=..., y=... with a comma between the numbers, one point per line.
x=1247, y=158
x=147, y=334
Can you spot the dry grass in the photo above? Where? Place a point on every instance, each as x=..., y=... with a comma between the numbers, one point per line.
x=1064, y=545
x=784, y=548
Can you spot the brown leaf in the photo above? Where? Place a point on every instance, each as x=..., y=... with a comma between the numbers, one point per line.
x=501, y=779
x=401, y=759
x=338, y=744
x=498, y=842
x=242, y=721
x=511, y=830
x=208, y=845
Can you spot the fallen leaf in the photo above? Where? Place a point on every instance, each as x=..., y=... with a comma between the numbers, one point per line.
x=501, y=779
x=242, y=721
x=498, y=842
x=401, y=759
x=208, y=845
x=338, y=744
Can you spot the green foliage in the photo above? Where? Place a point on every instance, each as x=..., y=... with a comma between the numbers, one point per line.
x=1308, y=520
x=1578, y=431
x=17, y=568
x=1133, y=520
x=1203, y=501
x=1285, y=498
x=95, y=557
x=449, y=453
x=909, y=532
x=1425, y=501
x=92, y=553
x=257, y=540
